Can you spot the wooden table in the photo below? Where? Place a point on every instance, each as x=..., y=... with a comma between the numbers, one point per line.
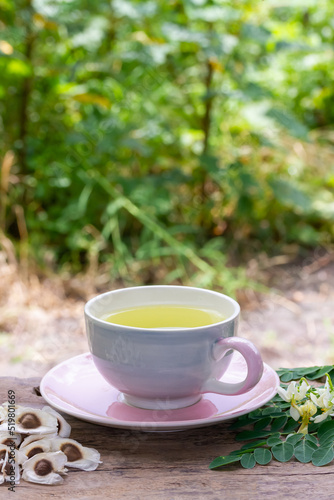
x=171, y=466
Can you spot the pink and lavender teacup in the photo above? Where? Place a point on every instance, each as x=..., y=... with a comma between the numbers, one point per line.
x=168, y=368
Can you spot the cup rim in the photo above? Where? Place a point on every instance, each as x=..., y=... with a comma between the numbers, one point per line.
x=103, y=322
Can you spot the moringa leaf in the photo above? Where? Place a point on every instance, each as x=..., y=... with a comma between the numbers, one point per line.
x=294, y=438
x=322, y=456
x=262, y=456
x=248, y=461
x=266, y=443
x=278, y=423
x=241, y=423
x=304, y=451
x=311, y=373
x=327, y=439
x=325, y=427
x=283, y=452
x=272, y=411
x=290, y=426
x=255, y=414
x=311, y=438
x=226, y=460
x=252, y=445
x=326, y=433
x=274, y=439
x=287, y=376
x=320, y=372
x=313, y=427
x=245, y=435
x=262, y=423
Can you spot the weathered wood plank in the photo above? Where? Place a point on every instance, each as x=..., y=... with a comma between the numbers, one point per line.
x=171, y=466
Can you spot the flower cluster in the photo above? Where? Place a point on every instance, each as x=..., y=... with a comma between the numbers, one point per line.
x=35, y=444
x=309, y=403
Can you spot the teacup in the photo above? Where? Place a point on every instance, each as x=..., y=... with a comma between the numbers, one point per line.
x=168, y=368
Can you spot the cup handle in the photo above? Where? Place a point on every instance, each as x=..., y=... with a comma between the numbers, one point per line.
x=252, y=358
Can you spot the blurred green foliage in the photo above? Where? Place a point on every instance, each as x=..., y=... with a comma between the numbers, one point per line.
x=161, y=138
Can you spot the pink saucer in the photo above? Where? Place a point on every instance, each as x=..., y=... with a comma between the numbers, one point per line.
x=76, y=388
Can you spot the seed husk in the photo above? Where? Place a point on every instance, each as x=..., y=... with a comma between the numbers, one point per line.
x=78, y=456
x=45, y=468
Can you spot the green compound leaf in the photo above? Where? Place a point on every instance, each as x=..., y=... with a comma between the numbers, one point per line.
x=306, y=371
x=294, y=438
x=287, y=376
x=248, y=461
x=252, y=445
x=262, y=423
x=313, y=428
x=283, y=452
x=317, y=446
x=247, y=448
x=285, y=406
x=331, y=373
x=241, y=423
x=311, y=372
x=327, y=439
x=220, y=461
x=256, y=414
x=304, y=451
x=274, y=439
x=272, y=411
x=326, y=427
x=320, y=372
x=277, y=400
x=290, y=426
x=262, y=456
x=326, y=433
x=278, y=423
x=322, y=456
x=246, y=435
x=311, y=438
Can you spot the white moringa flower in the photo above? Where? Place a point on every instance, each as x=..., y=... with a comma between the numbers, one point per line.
x=322, y=396
x=287, y=394
x=294, y=412
x=295, y=392
x=45, y=468
x=306, y=411
x=78, y=456
x=64, y=428
x=323, y=416
x=324, y=399
x=32, y=421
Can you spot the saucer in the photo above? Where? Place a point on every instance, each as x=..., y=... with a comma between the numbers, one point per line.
x=76, y=387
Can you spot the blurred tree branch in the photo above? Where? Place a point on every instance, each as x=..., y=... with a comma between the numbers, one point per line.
x=26, y=89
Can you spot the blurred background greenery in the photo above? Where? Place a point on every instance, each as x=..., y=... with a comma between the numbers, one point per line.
x=163, y=142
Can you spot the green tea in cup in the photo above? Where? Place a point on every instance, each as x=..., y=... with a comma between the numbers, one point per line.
x=164, y=316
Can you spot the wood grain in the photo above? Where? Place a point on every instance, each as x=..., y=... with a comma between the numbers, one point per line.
x=171, y=465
